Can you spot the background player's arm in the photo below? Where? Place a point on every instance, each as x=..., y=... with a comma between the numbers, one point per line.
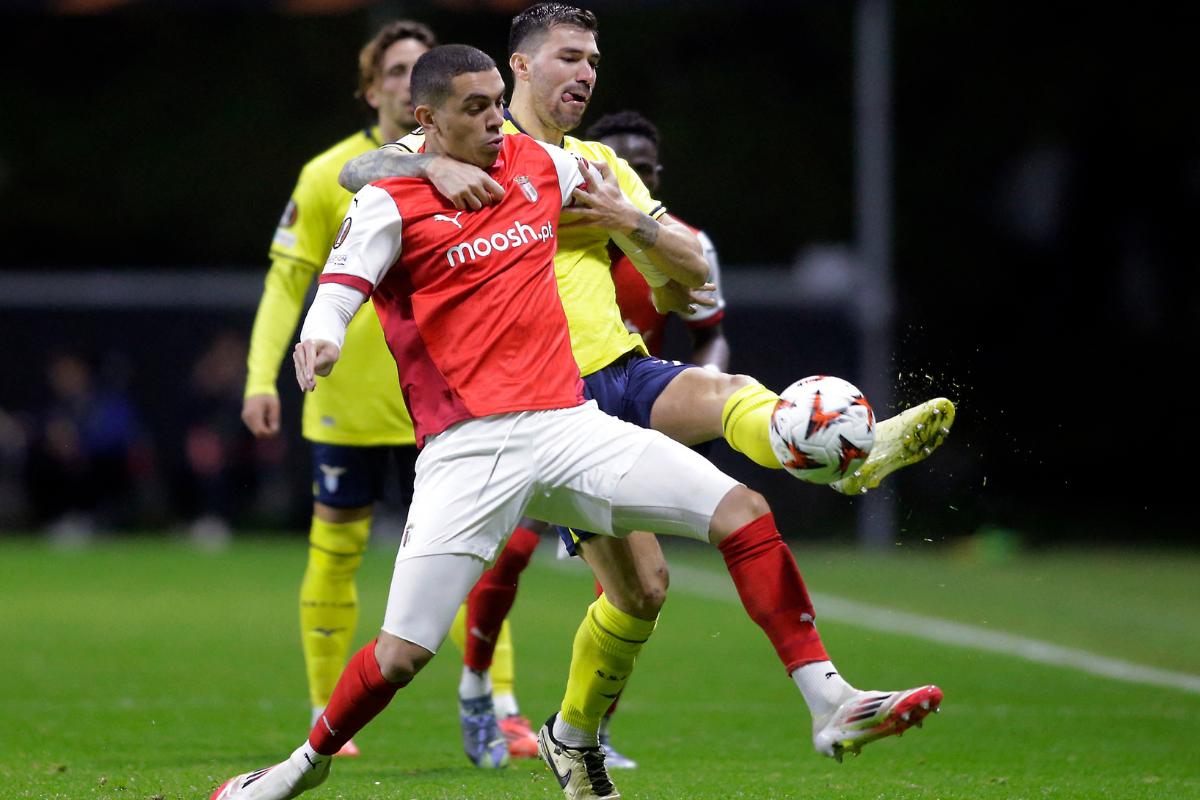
x=710, y=349
x=358, y=261
x=661, y=249
x=278, y=312
x=465, y=185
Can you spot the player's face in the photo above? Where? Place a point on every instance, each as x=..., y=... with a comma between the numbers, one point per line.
x=642, y=155
x=390, y=93
x=562, y=76
x=467, y=124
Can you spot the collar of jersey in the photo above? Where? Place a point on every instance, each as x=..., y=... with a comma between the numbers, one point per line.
x=508, y=116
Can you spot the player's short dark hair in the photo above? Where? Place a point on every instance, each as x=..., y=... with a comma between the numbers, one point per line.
x=539, y=19
x=434, y=70
x=370, y=58
x=622, y=122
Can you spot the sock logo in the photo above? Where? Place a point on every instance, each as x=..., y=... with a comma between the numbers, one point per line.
x=478, y=634
x=327, y=632
x=829, y=675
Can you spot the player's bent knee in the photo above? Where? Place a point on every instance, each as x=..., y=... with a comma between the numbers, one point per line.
x=399, y=660
x=739, y=507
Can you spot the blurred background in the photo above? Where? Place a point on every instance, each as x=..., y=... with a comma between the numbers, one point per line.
x=985, y=201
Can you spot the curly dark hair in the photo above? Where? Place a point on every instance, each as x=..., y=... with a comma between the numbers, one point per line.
x=622, y=122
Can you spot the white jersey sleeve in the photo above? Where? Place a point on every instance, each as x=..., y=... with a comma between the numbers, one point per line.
x=330, y=313
x=367, y=244
x=714, y=277
x=573, y=171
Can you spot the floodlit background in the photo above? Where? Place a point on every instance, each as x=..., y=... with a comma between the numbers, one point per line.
x=1031, y=195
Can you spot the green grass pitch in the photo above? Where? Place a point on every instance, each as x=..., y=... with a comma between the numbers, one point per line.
x=140, y=668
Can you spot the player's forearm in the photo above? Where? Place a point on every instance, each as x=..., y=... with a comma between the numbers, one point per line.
x=330, y=314
x=386, y=162
x=666, y=248
x=274, y=322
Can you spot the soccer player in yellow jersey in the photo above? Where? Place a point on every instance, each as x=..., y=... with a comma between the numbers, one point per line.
x=554, y=58
x=357, y=422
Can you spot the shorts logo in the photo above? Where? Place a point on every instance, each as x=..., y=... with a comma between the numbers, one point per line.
x=332, y=476
x=342, y=233
x=291, y=213
x=531, y=193
x=404, y=538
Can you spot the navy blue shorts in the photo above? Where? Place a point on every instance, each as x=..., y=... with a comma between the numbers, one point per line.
x=346, y=476
x=626, y=389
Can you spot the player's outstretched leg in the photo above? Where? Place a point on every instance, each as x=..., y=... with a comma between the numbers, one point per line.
x=866, y=716
x=900, y=441
x=426, y=590
x=303, y=770
x=774, y=595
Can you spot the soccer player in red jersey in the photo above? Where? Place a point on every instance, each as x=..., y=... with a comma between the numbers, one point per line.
x=554, y=58
x=504, y=428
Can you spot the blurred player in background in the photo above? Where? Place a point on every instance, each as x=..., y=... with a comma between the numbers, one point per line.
x=553, y=54
x=357, y=423
x=636, y=139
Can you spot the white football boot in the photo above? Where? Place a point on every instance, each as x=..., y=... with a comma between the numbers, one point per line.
x=299, y=773
x=580, y=771
x=866, y=716
x=901, y=441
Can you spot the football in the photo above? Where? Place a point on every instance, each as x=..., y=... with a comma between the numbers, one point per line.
x=822, y=429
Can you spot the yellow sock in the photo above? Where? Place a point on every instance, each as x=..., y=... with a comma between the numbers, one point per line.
x=606, y=646
x=503, y=672
x=746, y=422
x=329, y=601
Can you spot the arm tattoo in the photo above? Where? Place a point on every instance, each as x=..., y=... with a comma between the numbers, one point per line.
x=379, y=164
x=645, y=235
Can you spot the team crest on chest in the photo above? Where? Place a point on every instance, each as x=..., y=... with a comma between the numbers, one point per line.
x=527, y=187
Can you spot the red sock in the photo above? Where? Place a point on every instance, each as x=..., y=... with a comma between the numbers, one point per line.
x=492, y=598
x=773, y=592
x=361, y=693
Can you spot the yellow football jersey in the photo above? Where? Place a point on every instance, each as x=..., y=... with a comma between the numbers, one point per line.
x=360, y=403
x=583, y=268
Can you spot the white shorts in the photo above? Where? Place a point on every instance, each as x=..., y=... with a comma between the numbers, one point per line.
x=476, y=480
x=577, y=467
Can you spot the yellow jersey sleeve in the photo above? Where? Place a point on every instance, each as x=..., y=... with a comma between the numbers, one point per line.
x=360, y=404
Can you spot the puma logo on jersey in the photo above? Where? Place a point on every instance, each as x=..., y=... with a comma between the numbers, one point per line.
x=453, y=221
